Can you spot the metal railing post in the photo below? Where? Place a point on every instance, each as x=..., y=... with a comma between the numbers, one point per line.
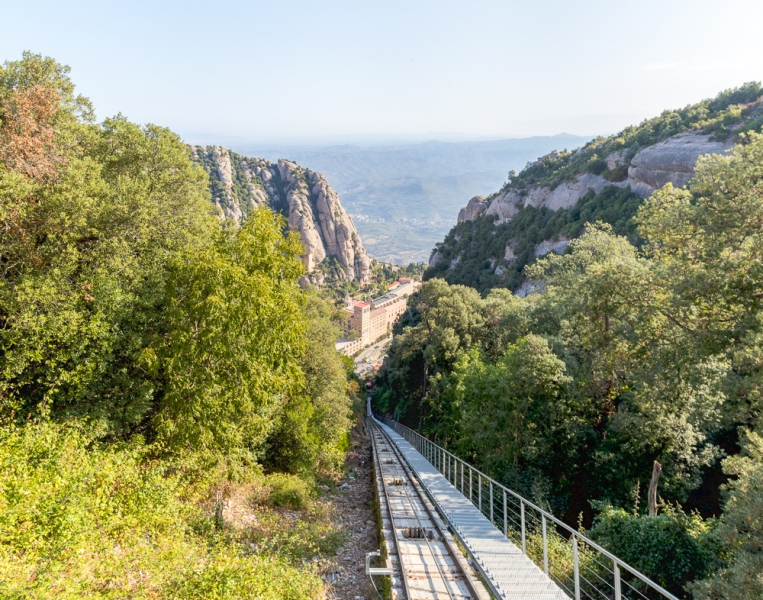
x=545, y=547
x=471, y=494
x=576, y=565
x=618, y=592
x=491, y=504
x=479, y=489
x=505, y=516
x=522, y=514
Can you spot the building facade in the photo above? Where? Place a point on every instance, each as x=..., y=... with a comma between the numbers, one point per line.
x=373, y=320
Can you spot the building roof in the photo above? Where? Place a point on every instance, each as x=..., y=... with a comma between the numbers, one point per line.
x=361, y=304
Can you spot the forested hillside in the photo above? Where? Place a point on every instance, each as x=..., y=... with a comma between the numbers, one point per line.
x=549, y=202
x=165, y=384
x=631, y=354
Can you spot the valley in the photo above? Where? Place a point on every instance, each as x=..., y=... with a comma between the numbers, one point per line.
x=403, y=197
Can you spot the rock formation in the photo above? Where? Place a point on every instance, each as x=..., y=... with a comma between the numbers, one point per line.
x=554, y=198
x=670, y=161
x=673, y=160
x=311, y=207
x=473, y=209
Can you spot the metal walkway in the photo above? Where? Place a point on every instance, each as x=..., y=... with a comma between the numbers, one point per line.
x=509, y=573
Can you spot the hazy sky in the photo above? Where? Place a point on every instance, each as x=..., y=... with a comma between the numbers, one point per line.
x=297, y=69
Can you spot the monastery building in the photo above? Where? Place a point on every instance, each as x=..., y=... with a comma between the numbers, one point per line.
x=372, y=320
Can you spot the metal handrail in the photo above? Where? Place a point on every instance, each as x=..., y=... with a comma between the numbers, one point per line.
x=448, y=464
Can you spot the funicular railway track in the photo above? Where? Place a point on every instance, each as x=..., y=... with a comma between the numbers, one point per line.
x=429, y=565
x=520, y=550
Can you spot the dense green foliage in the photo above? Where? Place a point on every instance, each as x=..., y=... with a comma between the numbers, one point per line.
x=741, y=528
x=674, y=548
x=149, y=353
x=474, y=252
x=80, y=520
x=630, y=355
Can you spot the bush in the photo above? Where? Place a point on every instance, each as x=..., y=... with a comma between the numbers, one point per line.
x=740, y=528
x=672, y=548
x=227, y=575
x=288, y=491
x=597, y=165
x=79, y=520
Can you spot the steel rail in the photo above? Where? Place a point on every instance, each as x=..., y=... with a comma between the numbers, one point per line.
x=416, y=517
x=430, y=516
x=391, y=519
x=436, y=455
x=413, y=478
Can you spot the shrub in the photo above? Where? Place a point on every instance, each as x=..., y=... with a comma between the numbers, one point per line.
x=81, y=520
x=288, y=491
x=672, y=548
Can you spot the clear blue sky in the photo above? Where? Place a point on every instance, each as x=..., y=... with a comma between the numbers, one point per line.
x=297, y=69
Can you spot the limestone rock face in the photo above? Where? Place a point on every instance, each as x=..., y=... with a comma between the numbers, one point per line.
x=670, y=161
x=504, y=206
x=435, y=258
x=546, y=246
x=474, y=208
x=673, y=160
x=312, y=208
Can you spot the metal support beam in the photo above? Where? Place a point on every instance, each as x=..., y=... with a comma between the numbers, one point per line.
x=576, y=565
x=545, y=547
x=505, y=516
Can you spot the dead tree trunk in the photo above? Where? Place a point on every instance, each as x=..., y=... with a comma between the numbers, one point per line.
x=653, y=506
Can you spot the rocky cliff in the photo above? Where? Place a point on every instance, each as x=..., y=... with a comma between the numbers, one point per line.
x=670, y=161
x=311, y=207
x=549, y=202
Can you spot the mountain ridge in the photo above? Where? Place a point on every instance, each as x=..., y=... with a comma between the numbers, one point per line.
x=312, y=208
x=398, y=225
x=548, y=203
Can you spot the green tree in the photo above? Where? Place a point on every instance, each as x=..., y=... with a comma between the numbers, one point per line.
x=312, y=432
x=235, y=331
x=740, y=529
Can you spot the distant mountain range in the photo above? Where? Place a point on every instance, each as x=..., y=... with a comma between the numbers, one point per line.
x=403, y=198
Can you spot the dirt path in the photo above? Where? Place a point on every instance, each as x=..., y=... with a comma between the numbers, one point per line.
x=353, y=510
